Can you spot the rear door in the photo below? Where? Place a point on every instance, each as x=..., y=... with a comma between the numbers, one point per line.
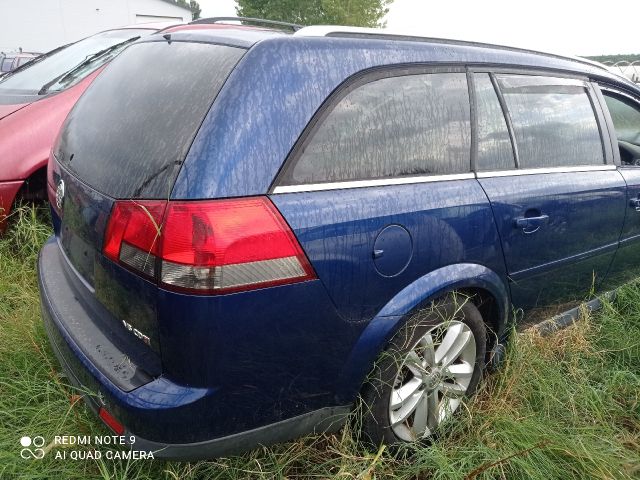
x=380, y=192
x=561, y=209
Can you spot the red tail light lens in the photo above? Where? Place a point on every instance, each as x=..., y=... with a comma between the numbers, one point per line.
x=133, y=234
x=228, y=245
x=208, y=247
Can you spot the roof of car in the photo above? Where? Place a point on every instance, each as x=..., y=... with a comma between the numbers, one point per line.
x=229, y=34
x=435, y=49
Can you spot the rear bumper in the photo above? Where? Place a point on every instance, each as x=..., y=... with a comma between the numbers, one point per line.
x=158, y=414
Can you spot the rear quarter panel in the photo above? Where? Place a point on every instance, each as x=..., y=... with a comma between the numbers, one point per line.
x=449, y=222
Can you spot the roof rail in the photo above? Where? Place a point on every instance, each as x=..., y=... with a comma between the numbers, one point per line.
x=388, y=34
x=257, y=21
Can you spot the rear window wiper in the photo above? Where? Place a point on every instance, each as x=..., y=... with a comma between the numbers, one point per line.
x=87, y=61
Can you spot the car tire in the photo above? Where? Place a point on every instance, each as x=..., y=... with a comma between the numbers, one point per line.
x=418, y=382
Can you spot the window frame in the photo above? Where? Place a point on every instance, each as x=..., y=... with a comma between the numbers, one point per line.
x=608, y=155
x=350, y=84
x=471, y=78
x=610, y=159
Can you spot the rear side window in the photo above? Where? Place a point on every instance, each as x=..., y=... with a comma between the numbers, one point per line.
x=399, y=126
x=129, y=133
x=494, y=143
x=553, y=120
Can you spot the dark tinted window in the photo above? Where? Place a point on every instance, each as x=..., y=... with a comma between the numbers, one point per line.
x=553, y=120
x=6, y=64
x=626, y=118
x=400, y=126
x=131, y=130
x=494, y=144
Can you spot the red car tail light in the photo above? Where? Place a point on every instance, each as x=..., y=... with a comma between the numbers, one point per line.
x=133, y=234
x=207, y=247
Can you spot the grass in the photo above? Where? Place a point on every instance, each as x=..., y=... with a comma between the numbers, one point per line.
x=563, y=407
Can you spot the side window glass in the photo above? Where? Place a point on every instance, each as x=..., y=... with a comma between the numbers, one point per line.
x=494, y=144
x=626, y=121
x=6, y=64
x=553, y=121
x=400, y=126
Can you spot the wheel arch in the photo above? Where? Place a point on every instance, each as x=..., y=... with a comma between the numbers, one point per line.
x=484, y=287
x=34, y=186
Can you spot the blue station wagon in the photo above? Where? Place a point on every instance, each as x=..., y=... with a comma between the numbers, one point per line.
x=258, y=231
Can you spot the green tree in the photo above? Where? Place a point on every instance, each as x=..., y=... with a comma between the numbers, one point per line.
x=361, y=13
x=195, y=9
x=192, y=5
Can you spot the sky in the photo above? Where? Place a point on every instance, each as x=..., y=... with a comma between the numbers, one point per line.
x=574, y=27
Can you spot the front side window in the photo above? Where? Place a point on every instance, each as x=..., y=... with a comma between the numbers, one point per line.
x=553, y=120
x=392, y=127
x=625, y=114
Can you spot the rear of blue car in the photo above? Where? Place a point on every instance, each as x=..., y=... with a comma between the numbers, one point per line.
x=185, y=321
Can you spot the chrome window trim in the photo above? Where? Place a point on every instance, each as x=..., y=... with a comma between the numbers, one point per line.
x=382, y=182
x=537, y=171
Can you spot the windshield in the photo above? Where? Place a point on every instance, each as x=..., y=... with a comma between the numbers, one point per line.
x=53, y=70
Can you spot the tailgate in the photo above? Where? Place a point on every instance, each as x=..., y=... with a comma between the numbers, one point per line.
x=129, y=301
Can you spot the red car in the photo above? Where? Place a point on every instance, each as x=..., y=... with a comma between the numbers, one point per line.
x=35, y=100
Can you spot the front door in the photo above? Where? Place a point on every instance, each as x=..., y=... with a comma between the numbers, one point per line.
x=624, y=112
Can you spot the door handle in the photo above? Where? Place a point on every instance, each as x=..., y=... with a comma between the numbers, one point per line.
x=531, y=224
x=635, y=203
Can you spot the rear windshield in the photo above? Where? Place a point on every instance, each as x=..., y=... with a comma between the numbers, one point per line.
x=129, y=133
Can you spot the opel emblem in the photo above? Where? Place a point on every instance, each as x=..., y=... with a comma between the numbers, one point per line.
x=60, y=194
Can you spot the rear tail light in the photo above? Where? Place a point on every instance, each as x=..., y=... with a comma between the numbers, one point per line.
x=133, y=234
x=206, y=247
